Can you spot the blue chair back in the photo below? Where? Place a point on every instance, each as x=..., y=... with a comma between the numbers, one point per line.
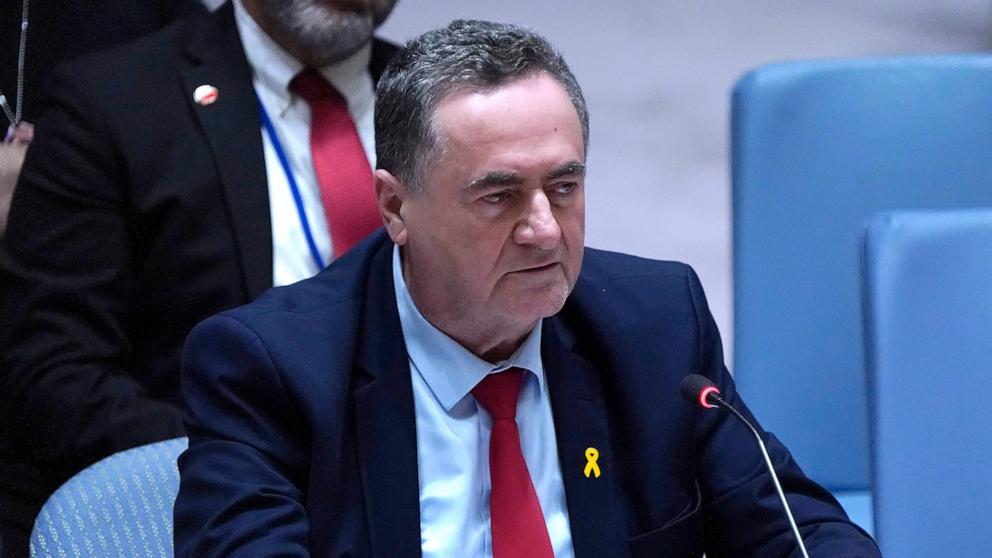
x=120, y=506
x=818, y=147
x=928, y=307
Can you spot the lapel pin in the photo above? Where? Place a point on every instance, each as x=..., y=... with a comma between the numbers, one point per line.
x=205, y=95
x=592, y=468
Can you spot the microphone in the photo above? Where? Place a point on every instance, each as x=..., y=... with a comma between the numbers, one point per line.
x=701, y=391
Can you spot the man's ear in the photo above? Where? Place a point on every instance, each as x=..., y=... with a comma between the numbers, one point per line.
x=390, y=194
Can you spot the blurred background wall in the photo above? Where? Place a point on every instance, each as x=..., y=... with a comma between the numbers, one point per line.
x=657, y=76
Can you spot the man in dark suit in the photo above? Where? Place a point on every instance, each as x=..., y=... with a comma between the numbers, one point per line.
x=352, y=414
x=153, y=197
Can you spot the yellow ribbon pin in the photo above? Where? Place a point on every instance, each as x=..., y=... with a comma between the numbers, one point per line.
x=592, y=454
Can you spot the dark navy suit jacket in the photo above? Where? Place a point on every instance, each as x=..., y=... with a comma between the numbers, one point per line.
x=303, y=442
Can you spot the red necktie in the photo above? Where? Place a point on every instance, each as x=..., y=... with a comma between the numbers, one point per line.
x=339, y=161
x=518, y=527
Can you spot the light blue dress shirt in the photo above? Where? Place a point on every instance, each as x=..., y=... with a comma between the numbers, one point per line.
x=453, y=437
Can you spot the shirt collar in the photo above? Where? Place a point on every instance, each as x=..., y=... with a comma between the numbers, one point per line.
x=273, y=67
x=449, y=369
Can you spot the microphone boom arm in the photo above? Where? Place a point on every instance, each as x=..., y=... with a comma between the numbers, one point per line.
x=713, y=396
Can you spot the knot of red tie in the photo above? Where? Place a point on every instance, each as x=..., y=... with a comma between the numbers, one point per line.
x=310, y=85
x=497, y=393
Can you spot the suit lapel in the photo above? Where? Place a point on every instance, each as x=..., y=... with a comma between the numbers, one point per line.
x=232, y=127
x=581, y=423
x=385, y=420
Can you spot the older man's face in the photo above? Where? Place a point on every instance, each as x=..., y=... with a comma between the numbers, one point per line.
x=495, y=240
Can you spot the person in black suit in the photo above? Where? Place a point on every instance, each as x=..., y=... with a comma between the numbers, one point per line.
x=352, y=414
x=149, y=200
x=61, y=31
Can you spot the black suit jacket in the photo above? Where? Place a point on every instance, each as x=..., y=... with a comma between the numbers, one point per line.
x=138, y=214
x=303, y=436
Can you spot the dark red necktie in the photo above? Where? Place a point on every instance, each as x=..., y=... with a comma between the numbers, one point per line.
x=518, y=527
x=339, y=161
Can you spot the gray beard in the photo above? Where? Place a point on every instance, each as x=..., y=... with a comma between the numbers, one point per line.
x=323, y=34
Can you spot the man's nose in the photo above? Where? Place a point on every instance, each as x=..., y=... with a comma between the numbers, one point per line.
x=538, y=226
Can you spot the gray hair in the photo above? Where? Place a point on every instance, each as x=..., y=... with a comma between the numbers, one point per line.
x=467, y=55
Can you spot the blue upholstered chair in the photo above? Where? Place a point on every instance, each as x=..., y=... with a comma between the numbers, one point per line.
x=818, y=147
x=120, y=506
x=928, y=304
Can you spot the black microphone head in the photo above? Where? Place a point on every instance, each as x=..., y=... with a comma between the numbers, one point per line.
x=696, y=389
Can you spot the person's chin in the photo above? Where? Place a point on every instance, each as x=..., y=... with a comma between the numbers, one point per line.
x=544, y=301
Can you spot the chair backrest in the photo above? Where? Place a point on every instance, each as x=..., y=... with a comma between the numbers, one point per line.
x=818, y=147
x=928, y=309
x=120, y=506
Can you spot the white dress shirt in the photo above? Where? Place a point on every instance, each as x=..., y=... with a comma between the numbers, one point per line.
x=453, y=437
x=272, y=70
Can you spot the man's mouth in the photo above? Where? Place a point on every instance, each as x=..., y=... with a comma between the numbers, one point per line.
x=538, y=268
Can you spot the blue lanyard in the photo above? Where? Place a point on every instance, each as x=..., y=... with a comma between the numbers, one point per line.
x=281, y=153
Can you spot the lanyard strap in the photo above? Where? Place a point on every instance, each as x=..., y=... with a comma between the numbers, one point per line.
x=284, y=161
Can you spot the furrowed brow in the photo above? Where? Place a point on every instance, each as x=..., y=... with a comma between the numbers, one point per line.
x=495, y=178
x=571, y=168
